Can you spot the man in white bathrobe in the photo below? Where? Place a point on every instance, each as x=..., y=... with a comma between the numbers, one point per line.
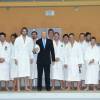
x=92, y=57
x=36, y=50
x=57, y=70
x=75, y=60
x=88, y=37
x=83, y=45
x=65, y=47
x=23, y=56
x=13, y=67
x=4, y=59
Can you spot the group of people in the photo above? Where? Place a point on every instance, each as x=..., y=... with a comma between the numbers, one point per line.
x=62, y=58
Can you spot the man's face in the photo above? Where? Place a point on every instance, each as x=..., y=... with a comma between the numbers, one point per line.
x=56, y=37
x=71, y=38
x=34, y=35
x=12, y=39
x=50, y=34
x=2, y=38
x=93, y=42
x=82, y=37
x=24, y=32
x=65, y=39
x=44, y=35
x=88, y=38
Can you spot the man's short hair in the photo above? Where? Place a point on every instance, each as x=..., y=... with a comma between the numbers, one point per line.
x=87, y=33
x=2, y=33
x=65, y=35
x=14, y=35
x=34, y=32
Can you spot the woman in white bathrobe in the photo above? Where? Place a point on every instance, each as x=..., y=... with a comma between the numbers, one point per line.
x=24, y=56
x=13, y=67
x=57, y=70
x=75, y=60
x=92, y=57
x=4, y=59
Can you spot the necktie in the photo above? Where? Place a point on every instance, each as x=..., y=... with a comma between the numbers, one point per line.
x=44, y=43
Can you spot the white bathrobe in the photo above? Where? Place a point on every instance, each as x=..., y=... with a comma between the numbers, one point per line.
x=65, y=57
x=4, y=67
x=23, y=54
x=34, y=65
x=13, y=67
x=92, y=70
x=83, y=46
x=57, y=70
x=73, y=60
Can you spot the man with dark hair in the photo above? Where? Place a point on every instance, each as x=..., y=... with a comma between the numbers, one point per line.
x=83, y=46
x=88, y=37
x=75, y=60
x=65, y=47
x=92, y=57
x=23, y=57
x=57, y=69
x=13, y=67
x=34, y=33
x=35, y=51
x=50, y=33
x=4, y=59
x=66, y=35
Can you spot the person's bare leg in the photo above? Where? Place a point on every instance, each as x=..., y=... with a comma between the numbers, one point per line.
x=62, y=84
x=69, y=86
x=72, y=85
x=14, y=85
x=26, y=81
x=18, y=85
x=6, y=86
x=53, y=84
x=13, y=88
x=30, y=84
x=94, y=87
x=87, y=87
x=81, y=84
x=99, y=84
x=78, y=86
x=66, y=84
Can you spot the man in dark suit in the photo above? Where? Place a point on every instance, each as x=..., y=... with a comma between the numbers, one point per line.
x=44, y=60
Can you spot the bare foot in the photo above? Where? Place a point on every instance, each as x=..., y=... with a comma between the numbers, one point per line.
x=30, y=87
x=13, y=89
x=94, y=89
x=27, y=89
x=62, y=88
x=78, y=89
x=68, y=89
x=18, y=90
x=6, y=89
x=86, y=89
x=53, y=88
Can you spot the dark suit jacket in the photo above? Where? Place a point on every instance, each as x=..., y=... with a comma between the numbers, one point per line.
x=45, y=54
